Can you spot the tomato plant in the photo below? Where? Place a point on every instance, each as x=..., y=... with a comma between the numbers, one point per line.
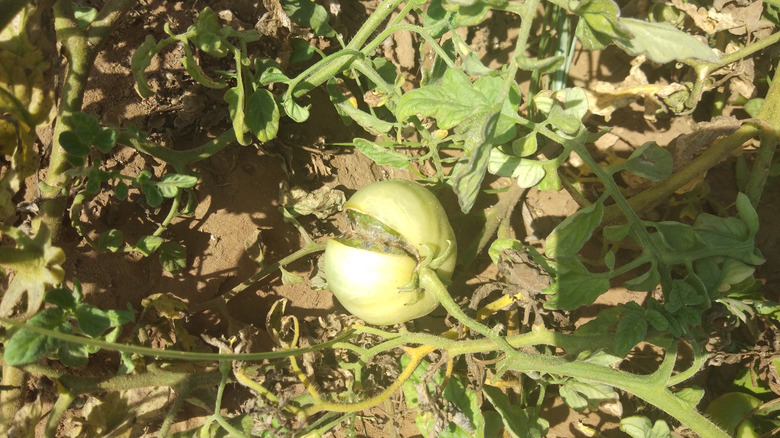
x=508, y=337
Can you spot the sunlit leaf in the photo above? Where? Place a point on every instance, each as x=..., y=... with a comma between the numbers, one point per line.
x=575, y=286
x=381, y=155
x=641, y=427
x=662, y=42
x=262, y=115
x=26, y=346
x=571, y=234
x=111, y=240
x=309, y=14
x=580, y=395
x=650, y=161
x=36, y=264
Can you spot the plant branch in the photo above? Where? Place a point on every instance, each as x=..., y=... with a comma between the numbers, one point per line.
x=174, y=354
x=267, y=270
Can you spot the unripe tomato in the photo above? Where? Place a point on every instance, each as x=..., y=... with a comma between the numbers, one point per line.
x=731, y=411
x=371, y=268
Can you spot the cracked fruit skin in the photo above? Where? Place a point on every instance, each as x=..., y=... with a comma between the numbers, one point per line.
x=371, y=269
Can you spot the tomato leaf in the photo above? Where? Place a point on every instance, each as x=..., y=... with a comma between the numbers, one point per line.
x=36, y=264
x=262, y=115
x=173, y=257
x=571, y=234
x=517, y=422
x=381, y=155
x=650, y=161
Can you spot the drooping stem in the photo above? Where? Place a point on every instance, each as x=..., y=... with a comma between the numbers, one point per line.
x=172, y=354
x=306, y=250
x=64, y=400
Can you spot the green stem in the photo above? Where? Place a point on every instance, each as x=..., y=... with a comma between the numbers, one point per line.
x=328, y=68
x=172, y=354
x=12, y=396
x=179, y=160
x=652, y=388
x=750, y=49
x=64, y=400
x=81, y=49
x=306, y=250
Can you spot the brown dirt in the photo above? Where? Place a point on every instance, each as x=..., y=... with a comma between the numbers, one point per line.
x=239, y=189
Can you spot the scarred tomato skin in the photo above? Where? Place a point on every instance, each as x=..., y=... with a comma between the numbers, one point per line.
x=375, y=285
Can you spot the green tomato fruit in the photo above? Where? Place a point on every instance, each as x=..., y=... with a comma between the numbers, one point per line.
x=371, y=268
x=731, y=411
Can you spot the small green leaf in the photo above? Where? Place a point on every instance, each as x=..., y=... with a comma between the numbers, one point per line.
x=468, y=180
x=26, y=346
x=142, y=58
x=662, y=42
x=173, y=257
x=84, y=15
x=309, y=14
x=147, y=245
x=617, y=233
x=753, y=106
x=747, y=213
x=296, y=112
x=381, y=155
x=73, y=355
x=525, y=145
x=197, y=73
x=645, y=282
x=121, y=190
x=262, y=115
x=517, y=421
x=650, y=161
x=153, y=195
x=235, y=100
x=609, y=260
x=529, y=173
x=349, y=112
x=691, y=396
x=302, y=50
x=85, y=126
x=580, y=395
x=457, y=103
x=675, y=236
x=111, y=240
x=170, y=184
x=657, y=320
x=60, y=297
x=73, y=145
x=571, y=234
x=631, y=330
x=93, y=321
x=105, y=140
x=289, y=278
x=575, y=286
x=500, y=245
x=270, y=72
x=597, y=27
x=464, y=400
x=641, y=427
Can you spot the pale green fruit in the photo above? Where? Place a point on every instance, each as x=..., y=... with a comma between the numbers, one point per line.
x=371, y=268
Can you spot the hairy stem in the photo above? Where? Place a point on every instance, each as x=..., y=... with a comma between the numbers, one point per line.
x=306, y=250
